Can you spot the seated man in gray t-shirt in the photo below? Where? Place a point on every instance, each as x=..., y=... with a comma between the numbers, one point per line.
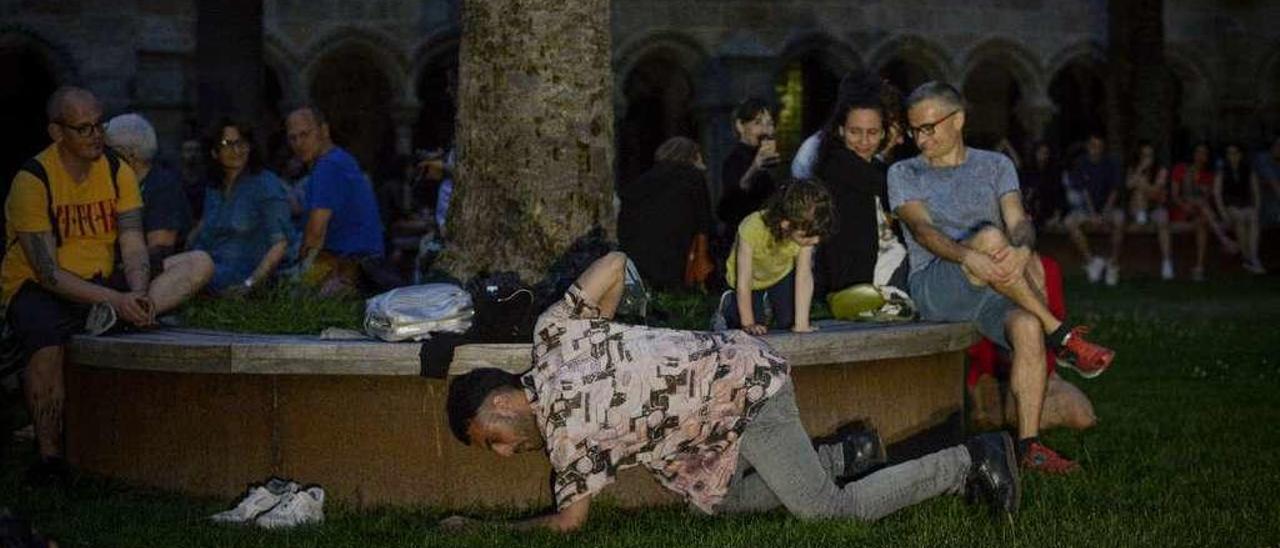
x=972, y=258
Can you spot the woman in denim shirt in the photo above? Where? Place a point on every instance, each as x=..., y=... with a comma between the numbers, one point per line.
x=246, y=226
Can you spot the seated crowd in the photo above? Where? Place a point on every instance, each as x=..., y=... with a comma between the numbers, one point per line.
x=103, y=238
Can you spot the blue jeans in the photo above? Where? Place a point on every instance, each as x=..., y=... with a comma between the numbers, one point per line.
x=779, y=298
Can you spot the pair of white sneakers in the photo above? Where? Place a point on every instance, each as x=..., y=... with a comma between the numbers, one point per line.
x=277, y=504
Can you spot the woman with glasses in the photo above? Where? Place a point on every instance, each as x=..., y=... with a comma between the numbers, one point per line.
x=859, y=129
x=246, y=214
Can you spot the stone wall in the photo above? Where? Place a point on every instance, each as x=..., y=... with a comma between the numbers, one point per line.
x=138, y=54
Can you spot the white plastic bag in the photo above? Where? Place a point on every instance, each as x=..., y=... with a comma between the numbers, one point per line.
x=411, y=313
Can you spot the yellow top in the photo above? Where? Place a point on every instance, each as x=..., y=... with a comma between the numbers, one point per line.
x=771, y=260
x=85, y=214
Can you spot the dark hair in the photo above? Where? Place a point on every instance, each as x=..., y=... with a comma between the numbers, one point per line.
x=804, y=204
x=860, y=90
x=468, y=392
x=749, y=108
x=214, y=135
x=680, y=150
x=941, y=91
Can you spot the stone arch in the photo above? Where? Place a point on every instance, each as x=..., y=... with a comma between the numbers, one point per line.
x=1195, y=106
x=360, y=84
x=1004, y=85
x=34, y=68
x=680, y=48
x=1077, y=88
x=807, y=80
x=659, y=102
x=383, y=50
x=907, y=60
x=435, y=79
x=1268, y=100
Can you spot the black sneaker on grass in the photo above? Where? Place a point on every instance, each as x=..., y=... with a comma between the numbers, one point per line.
x=993, y=476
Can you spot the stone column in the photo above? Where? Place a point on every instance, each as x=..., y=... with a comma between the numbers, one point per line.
x=535, y=134
x=229, y=59
x=404, y=116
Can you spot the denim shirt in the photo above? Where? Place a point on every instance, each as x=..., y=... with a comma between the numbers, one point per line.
x=240, y=228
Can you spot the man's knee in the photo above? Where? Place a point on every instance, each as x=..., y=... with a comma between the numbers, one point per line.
x=988, y=239
x=1023, y=327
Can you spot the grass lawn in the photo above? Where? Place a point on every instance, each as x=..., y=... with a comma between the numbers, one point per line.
x=1185, y=455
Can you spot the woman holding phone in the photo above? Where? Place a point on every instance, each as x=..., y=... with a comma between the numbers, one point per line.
x=745, y=178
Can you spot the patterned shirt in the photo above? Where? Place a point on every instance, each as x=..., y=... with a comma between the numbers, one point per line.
x=609, y=396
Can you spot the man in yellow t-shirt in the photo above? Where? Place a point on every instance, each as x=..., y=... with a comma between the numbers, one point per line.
x=67, y=210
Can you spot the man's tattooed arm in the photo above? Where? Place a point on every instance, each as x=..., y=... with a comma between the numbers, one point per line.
x=40, y=248
x=1023, y=234
x=133, y=248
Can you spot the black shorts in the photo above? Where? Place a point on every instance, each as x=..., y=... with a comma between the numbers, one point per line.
x=38, y=318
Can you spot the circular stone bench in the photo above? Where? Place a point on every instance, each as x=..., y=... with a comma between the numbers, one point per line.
x=206, y=412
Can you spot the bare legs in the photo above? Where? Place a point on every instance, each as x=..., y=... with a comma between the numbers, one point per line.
x=602, y=282
x=184, y=274
x=45, y=394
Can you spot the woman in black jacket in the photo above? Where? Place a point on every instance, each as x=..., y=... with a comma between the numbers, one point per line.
x=860, y=127
x=665, y=217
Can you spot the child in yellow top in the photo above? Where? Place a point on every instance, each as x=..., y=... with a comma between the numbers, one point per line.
x=772, y=258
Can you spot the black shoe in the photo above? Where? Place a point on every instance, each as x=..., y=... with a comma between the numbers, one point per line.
x=49, y=472
x=993, y=475
x=861, y=446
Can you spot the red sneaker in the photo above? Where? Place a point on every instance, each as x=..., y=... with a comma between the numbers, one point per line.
x=1039, y=458
x=1086, y=358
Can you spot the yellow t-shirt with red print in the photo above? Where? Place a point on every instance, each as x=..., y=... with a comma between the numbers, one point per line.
x=85, y=215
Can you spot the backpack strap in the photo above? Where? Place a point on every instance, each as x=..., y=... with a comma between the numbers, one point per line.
x=36, y=169
x=113, y=162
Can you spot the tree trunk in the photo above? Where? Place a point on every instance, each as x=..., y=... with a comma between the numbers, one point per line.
x=1139, y=97
x=229, y=58
x=535, y=134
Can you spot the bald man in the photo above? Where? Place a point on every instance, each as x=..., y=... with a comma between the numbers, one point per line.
x=68, y=209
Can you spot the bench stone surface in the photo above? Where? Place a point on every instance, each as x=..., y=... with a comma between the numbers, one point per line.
x=206, y=413
x=204, y=351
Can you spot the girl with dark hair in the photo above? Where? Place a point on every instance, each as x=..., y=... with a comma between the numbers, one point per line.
x=246, y=226
x=665, y=218
x=1193, y=184
x=772, y=261
x=1238, y=197
x=745, y=180
x=1147, y=182
x=859, y=129
x=1041, y=181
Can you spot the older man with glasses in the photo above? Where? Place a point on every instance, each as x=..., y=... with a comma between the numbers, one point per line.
x=972, y=258
x=68, y=209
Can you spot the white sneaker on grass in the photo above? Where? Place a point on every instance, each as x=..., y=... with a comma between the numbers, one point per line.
x=257, y=501
x=1166, y=269
x=1113, y=274
x=1095, y=268
x=303, y=507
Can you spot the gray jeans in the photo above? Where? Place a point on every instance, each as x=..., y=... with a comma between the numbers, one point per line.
x=789, y=472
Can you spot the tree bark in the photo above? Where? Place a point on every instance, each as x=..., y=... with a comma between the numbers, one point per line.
x=535, y=134
x=1139, y=97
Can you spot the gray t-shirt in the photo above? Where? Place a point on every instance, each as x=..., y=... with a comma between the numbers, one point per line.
x=958, y=198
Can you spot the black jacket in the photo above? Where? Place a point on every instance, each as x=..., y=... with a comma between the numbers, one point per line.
x=848, y=256
x=661, y=212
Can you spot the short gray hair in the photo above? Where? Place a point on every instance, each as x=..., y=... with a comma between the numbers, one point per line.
x=940, y=91
x=133, y=135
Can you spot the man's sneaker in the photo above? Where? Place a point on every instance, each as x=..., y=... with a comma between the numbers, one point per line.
x=259, y=500
x=993, y=476
x=1254, y=267
x=1166, y=269
x=102, y=317
x=1039, y=458
x=1113, y=274
x=861, y=448
x=1086, y=358
x=1095, y=268
x=302, y=507
x=718, y=322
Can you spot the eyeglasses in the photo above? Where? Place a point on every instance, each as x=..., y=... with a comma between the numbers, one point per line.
x=85, y=130
x=238, y=144
x=927, y=129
